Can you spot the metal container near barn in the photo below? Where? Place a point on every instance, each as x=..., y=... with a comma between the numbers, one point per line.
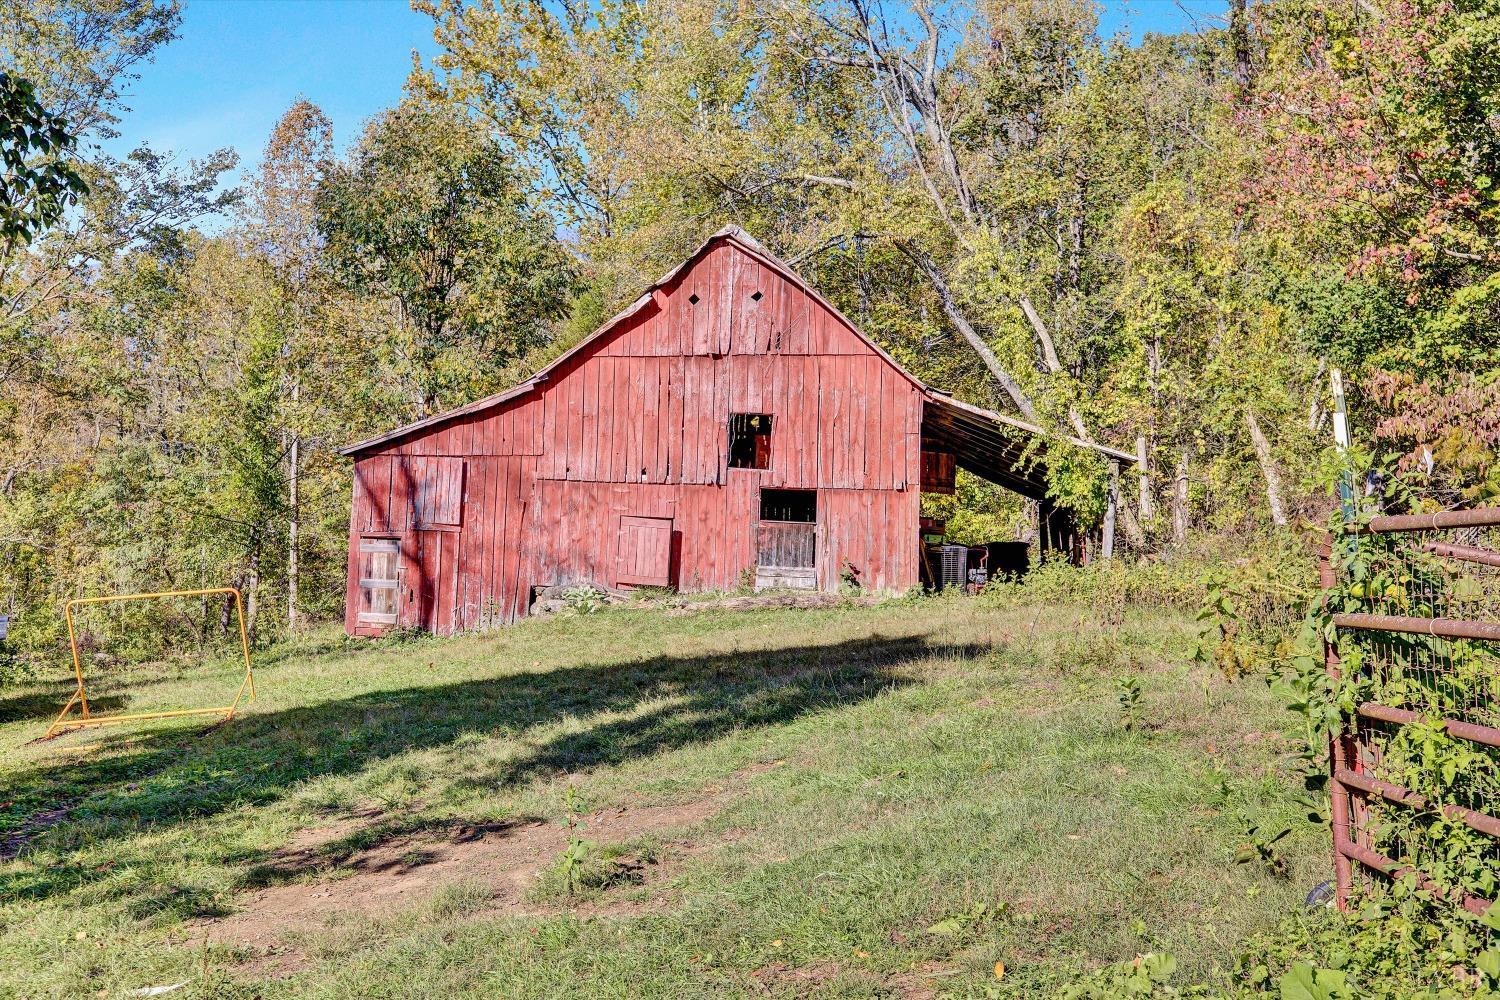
x=953, y=566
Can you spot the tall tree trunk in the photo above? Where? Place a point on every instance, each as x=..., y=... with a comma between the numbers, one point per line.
x=1049, y=358
x=293, y=533
x=251, y=589
x=1239, y=42
x=955, y=316
x=1134, y=533
x=294, y=515
x=1315, y=412
x=1075, y=231
x=1111, y=511
x=1267, y=467
x=1180, y=499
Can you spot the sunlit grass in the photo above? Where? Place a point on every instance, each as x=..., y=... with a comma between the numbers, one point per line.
x=880, y=770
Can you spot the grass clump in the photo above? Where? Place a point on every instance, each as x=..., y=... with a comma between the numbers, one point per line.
x=585, y=869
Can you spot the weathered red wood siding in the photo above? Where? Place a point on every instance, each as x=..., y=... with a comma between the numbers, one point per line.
x=636, y=424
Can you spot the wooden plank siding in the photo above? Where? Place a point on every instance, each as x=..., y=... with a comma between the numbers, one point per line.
x=635, y=425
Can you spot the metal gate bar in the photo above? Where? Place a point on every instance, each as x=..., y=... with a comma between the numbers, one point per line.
x=1353, y=751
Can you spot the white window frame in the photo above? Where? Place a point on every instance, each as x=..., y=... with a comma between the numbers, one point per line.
x=390, y=545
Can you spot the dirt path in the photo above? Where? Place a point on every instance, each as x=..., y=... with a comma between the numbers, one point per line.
x=405, y=870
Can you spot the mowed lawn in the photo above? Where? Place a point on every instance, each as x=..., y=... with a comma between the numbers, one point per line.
x=854, y=801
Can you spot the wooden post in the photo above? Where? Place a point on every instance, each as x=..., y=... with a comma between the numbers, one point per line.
x=1145, y=506
x=1111, y=509
x=1340, y=410
x=1180, y=500
x=1341, y=439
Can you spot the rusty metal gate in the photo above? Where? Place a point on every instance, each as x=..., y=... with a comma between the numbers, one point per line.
x=1413, y=655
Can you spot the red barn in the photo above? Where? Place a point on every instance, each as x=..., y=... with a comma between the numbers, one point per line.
x=728, y=425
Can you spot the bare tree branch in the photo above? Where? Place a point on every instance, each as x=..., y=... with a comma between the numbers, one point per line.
x=966, y=330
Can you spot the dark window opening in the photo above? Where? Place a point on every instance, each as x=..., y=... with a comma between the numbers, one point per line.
x=750, y=441
x=755, y=297
x=693, y=299
x=789, y=505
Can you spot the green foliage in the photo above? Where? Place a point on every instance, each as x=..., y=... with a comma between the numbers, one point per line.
x=977, y=512
x=582, y=599
x=1381, y=949
x=431, y=214
x=1260, y=848
x=1365, y=117
x=1105, y=584
x=39, y=181
x=1250, y=610
x=1129, y=697
x=1145, y=975
x=957, y=923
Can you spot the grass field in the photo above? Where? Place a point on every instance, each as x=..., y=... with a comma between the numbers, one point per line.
x=861, y=801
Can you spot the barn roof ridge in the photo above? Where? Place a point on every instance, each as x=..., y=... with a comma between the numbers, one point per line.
x=748, y=243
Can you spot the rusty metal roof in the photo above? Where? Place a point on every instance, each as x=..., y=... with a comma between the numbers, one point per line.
x=1005, y=450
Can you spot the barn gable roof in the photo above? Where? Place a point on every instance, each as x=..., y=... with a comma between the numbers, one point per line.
x=990, y=436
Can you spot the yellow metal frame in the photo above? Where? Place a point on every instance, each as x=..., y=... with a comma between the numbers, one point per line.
x=81, y=698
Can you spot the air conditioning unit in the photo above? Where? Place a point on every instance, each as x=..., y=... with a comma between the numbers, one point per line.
x=955, y=566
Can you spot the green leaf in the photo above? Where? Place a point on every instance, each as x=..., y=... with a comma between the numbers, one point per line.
x=1304, y=982
x=1488, y=962
x=1159, y=965
x=946, y=926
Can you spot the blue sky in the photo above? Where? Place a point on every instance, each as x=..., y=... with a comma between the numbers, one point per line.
x=238, y=64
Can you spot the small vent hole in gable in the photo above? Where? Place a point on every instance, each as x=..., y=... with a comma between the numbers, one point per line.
x=693, y=298
x=755, y=297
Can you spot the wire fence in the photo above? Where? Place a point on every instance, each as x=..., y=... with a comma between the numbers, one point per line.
x=1415, y=649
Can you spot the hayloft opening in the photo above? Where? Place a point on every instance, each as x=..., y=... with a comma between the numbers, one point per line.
x=750, y=441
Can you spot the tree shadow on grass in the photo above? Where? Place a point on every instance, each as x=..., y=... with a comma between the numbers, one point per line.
x=112, y=689
x=42, y=702
x=174, y=777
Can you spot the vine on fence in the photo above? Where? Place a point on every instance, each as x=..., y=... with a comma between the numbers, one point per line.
x=1438, y=678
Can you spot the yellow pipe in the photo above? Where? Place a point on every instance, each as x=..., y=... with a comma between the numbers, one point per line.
x=81, y=694
x=105, y=720
x=79, y=601
x=77, y=665
x=64, y=712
